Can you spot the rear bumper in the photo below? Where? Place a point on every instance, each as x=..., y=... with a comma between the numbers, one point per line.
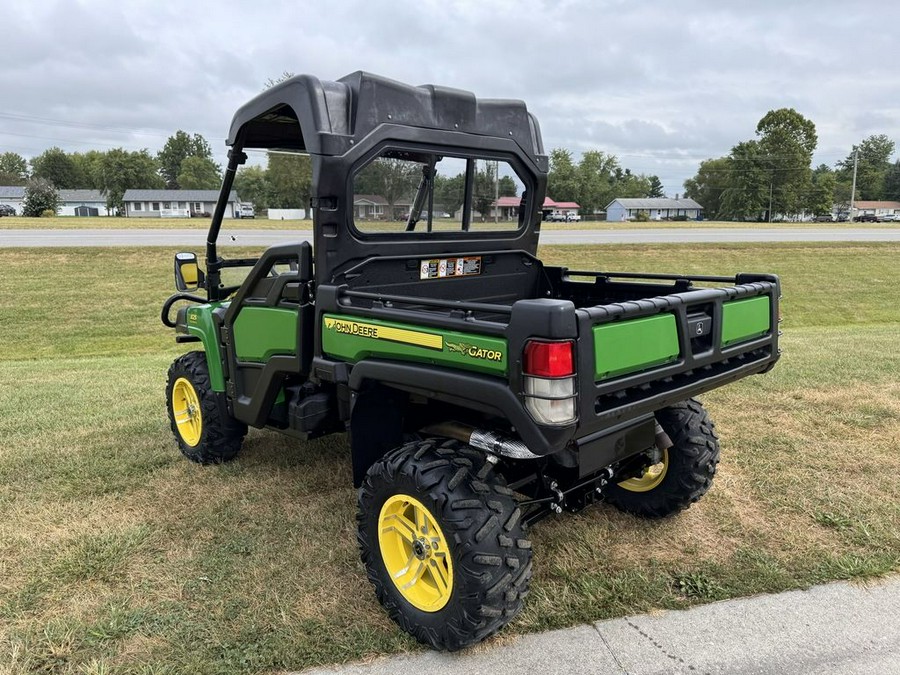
x=701, y=365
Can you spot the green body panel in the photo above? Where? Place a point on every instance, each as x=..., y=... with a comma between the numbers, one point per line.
x=629, y=346
x=354, y=339
x=745, y=319
x=200, y=324
x=263, y=332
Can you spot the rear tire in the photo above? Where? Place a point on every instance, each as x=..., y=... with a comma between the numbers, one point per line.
x=475, y=554
x=205, y=433
x=689, y=466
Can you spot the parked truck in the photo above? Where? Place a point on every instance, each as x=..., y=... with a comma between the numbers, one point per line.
x=482, y=390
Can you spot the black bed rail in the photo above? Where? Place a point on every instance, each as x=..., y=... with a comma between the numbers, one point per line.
x=454, y=315
x=737, y=279
x=388, y=300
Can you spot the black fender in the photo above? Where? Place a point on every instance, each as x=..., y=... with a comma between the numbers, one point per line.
x=469, y=390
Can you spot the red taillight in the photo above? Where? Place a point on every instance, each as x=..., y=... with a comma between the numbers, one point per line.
x=548, y=359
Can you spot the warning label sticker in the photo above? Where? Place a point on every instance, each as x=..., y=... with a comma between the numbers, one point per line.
x=442, y=268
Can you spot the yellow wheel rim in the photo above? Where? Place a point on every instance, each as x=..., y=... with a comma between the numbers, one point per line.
x=186, y=411
x=651, y=478
x=415, y=553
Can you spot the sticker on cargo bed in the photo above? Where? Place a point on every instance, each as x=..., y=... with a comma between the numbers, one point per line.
x=443, y=268
x=389, y=333
x=474, y=351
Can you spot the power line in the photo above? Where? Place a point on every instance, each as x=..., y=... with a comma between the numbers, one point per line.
x=138, y=131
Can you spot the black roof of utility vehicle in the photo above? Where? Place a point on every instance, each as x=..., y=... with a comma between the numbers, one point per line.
x=333, y=116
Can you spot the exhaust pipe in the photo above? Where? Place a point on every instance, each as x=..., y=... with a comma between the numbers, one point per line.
x=489, y=441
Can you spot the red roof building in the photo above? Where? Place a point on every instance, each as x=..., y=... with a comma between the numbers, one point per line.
x=509, y=207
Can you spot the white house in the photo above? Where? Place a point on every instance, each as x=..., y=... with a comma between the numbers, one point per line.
x=14, y=196
x=369, y=207
x=82, y=203
x=166, y=203
x=656, y=208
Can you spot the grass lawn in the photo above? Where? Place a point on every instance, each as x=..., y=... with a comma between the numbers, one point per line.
x=202, y=224
x=117, y=555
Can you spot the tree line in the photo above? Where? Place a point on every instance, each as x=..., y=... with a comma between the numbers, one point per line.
x=185, y=162
x=772, y=175
x=397, y=180
x=595, y=180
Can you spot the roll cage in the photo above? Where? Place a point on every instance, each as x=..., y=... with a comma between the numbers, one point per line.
x=344, y=124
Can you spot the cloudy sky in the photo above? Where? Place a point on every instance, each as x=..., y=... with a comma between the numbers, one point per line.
x=661, y=84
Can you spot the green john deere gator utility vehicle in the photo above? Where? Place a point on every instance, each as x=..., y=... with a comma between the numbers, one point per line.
x=482, y=390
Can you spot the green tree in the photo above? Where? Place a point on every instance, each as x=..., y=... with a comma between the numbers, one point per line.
x=87, y=167
x=874, y=163
x=656, y=187
x=747, y=194
x=13, y=169
x=285, y=75
x=484, y=190
x=449, y=192
x=198, y=173
x=506, y=186
x=120, y=170
x=820, y=198
x=892, y=182
x=708, y=185
x=177, y=149
x=290, y=179
x=596, y=176
x=562, y=181
x=57, y=167
x=40, y=195
x=628, y=184
x=252, y=185
x=787, y=141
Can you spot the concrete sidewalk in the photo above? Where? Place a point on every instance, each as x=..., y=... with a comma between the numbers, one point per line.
x=835, y=629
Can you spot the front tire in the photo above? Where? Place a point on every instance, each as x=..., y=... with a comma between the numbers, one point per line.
x=204, y=431
x=686, y=472
x=443, y=543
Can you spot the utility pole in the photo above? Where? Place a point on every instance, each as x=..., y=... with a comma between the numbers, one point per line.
x=771, y=188
x=853, y=189
x=497, y=191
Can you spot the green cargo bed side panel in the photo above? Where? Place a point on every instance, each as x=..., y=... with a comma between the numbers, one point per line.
x=200, y=324
x=629, y=346
x=354, y=339
x=263, y=332
x=745, y=319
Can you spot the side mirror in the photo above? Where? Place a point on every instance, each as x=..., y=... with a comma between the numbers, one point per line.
x=188, y=276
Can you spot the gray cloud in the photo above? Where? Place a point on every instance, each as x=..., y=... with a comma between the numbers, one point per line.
x=661, y=84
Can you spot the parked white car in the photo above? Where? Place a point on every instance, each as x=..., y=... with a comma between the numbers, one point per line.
x=246, y=211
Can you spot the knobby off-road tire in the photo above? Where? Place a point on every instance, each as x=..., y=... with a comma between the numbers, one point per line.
x=689, y=466
x=474, y=516
x=203, y=431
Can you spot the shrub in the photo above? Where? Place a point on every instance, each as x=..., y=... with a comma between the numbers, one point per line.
x=41, y=197
x=48, y=213
x=641, y=217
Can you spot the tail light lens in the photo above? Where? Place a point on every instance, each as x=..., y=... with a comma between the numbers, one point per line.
x=548, y=359
x=549, y=378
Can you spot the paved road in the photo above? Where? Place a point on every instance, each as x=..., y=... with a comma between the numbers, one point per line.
x=836, y=629
x=235, y=237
